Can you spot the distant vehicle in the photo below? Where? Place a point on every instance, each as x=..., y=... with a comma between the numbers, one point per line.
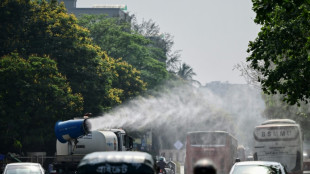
x=165, y=167
x=249, y=158
x=241, y=153
x=117, y=162
x=21, y=168
x=306, y=166
x=172, y=166
x=258, y=167
x=218, y=146
x=279, y=140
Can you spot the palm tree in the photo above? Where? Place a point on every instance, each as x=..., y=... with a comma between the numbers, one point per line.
x=173, y=61
x=186, y=72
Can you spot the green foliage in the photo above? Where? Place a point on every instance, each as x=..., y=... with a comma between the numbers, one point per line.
x=33, y=93
x=186, y=73
x=281, y=50
x=57, y=73
x=12, y=21
x=17, y=145
x=33, y=96
x=46, y=30
x=161, y=47
x=160, y=44
x=118, y=40
x=126, y=78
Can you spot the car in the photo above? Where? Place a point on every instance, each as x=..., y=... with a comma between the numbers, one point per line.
x=124, y=162
x=261, y=167
x=23, y=167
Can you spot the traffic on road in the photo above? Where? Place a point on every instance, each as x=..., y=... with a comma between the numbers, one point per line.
x=276, y=150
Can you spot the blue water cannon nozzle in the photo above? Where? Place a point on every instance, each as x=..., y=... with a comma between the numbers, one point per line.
x=71, y=129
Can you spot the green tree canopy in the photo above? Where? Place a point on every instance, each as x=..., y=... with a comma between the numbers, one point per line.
x=33, y=96
x=45, y=29
x=281, y=51
x=116, y=37
x=126, y=79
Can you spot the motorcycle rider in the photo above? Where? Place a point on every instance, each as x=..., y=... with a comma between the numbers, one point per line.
x=162, y=164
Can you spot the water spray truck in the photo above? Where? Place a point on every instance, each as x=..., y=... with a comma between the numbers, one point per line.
x=75, y=139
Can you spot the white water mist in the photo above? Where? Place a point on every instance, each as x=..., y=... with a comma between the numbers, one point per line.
x=188, y=108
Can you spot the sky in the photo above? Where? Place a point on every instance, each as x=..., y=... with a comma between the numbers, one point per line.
x=213, y=36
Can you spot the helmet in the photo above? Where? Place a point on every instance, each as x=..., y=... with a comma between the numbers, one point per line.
x=204, y=166
x=161, y=158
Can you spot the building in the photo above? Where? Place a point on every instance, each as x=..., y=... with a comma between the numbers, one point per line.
x=109, y=10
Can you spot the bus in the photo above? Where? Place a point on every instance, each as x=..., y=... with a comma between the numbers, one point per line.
x=218, y=146
x=279, y=140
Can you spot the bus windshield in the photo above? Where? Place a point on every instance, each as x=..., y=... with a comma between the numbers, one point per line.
x=209, y=139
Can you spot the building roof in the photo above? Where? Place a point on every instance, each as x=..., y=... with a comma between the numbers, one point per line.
x=109, y=10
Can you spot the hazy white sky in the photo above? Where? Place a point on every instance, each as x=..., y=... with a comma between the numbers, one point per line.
x=212, y=34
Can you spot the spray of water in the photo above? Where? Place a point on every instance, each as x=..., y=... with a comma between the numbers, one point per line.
x=181, y=109
x=175, y=108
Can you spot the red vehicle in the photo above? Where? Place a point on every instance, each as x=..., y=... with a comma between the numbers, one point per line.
x=218, y=146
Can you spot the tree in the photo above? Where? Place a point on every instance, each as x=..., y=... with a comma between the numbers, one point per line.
x=250, y=75
x=125, y=78
x=281, y=50
x=56, y=73
x=33, y=96
x=115, y=36
x=275, y=106
x=46, y=30
x=161, y=43
x=186, y=73
x=12, y=22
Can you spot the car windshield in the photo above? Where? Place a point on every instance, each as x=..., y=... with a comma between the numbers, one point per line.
x=23, y=169
x=254, y=169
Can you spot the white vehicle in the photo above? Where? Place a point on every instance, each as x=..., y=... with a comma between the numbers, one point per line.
x=117, y=163
x=74, y=141
x=20, y=168
x=100, y=140
x=279, y=140
x=257, y=167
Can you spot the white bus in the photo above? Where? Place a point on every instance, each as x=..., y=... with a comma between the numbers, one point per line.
x=279, y=140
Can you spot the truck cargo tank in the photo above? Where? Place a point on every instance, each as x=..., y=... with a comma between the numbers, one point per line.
x=71, y=129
